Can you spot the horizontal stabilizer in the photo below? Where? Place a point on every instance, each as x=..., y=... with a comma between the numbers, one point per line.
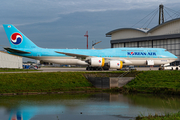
x=16, y=51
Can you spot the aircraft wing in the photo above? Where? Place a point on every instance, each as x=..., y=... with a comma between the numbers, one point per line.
x=72, y=54
x=106, y=58
x=16, y=51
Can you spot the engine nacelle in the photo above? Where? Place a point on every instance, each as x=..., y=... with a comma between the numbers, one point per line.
x=115, y=64
x=97, y=62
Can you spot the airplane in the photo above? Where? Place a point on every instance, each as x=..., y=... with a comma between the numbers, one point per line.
x=98, y=59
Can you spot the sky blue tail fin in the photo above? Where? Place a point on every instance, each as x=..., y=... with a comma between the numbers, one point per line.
x=16, y=38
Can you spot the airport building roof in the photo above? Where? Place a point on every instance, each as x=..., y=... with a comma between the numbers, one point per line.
x=169, y=29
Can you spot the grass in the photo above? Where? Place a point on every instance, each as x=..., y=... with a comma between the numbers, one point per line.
x=155, y=82
x=42, y=82
x=49, y=82
x=172, y=116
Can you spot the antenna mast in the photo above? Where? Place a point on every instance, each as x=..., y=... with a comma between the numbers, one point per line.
x=161, y=14
x=86, y=35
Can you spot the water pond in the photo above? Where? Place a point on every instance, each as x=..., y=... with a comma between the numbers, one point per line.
x=98, y=106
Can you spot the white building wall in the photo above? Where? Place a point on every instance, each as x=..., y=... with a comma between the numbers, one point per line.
x=123, y=34
x=10, y=61
x=170, y=28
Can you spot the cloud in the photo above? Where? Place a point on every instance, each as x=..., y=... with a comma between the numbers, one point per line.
x=45, y=21
x=105, y=5
x=42, y=8
x=80, y=15
x=36, y=11
x=23, y=12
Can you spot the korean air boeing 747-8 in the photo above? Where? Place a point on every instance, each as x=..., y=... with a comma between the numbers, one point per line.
x=113, y=58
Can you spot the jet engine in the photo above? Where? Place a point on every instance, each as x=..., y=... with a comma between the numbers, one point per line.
x=115, y=64
x=96, y=62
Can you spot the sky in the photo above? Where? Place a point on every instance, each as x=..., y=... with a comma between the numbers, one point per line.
x=63, y=23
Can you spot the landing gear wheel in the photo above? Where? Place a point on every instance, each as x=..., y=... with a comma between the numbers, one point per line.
x=88, y=68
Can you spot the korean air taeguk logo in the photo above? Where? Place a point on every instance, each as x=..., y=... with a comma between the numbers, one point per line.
x=16, y=38
x=141, y=53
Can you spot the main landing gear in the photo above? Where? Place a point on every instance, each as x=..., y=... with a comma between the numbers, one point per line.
x=89, y=68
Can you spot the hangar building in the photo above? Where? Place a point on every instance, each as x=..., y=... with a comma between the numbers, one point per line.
x=10, y=61
x=165, y=35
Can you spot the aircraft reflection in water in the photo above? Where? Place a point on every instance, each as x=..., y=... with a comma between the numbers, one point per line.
x=95, y=112
x=96, y=107
x=23, y=114
x=17, y=116
x=28, y=112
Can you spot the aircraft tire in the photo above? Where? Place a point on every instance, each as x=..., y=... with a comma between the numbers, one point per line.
x=95, y=68
x=88, y=68
x=100, y=69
